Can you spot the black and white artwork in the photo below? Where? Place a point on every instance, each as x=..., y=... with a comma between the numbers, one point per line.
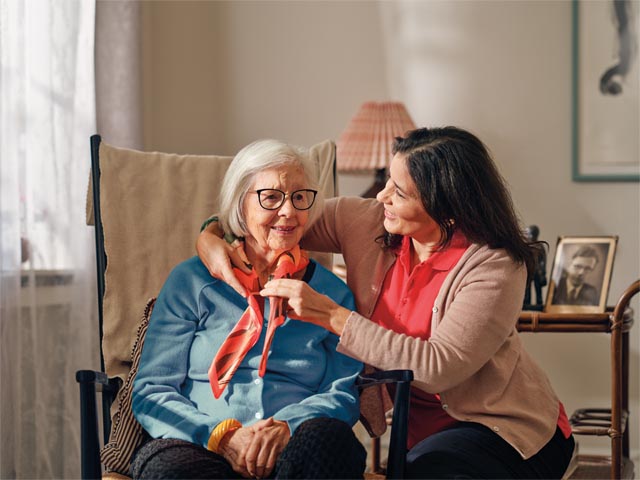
x=606, y=104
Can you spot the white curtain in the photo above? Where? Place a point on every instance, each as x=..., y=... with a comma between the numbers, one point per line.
x=48, y=312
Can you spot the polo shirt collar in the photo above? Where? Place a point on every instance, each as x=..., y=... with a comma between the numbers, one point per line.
x=442, y=260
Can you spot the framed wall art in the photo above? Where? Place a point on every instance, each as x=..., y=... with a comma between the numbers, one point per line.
x=581, y=274
x=606, y=84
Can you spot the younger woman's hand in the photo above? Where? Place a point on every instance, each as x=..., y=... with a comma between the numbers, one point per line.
x=219, y=256
x=304, y=303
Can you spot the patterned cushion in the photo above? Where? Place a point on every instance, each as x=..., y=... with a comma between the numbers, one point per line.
x=126, y=433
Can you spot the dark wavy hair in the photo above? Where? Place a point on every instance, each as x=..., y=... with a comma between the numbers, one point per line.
x=461, y=189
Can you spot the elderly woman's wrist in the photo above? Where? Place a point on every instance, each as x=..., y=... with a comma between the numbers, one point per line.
x=223, y=428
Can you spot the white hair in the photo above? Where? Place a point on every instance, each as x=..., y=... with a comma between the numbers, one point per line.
x=254, y=158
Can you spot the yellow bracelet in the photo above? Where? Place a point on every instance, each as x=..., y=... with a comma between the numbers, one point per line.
x=224, y=427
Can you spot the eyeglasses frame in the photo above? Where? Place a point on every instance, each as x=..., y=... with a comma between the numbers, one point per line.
x=284, y=197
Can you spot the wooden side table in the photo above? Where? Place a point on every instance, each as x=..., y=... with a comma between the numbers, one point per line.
x=612, y=422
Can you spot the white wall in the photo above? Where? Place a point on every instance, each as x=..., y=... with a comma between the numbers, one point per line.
x=220, y=74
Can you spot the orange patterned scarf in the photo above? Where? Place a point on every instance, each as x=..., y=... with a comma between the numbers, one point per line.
x=247, y=331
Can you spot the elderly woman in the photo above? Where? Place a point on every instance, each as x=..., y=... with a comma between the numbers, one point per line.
x=225, y=393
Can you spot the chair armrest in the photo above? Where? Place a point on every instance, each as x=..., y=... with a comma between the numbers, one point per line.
x=399, y=428
x=92, y=376
x=380, y=377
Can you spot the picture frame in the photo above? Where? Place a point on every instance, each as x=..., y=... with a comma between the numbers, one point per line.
x=581, y=274
x=606, y=84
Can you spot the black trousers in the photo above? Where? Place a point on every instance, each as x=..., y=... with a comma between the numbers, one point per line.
x=319, y=448
x=471, y=450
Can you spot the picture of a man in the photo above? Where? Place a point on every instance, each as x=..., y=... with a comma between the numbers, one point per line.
x=572, y=289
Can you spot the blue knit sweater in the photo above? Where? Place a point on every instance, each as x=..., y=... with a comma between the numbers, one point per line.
x=193, y=314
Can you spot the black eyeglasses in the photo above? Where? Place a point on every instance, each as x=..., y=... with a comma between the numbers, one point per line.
x=273, y=199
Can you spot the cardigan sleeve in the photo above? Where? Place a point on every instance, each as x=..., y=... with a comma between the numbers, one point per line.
x=337, y=395
x=482, y=307
x=157, y=403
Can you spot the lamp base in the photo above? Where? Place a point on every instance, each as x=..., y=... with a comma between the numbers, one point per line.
x=378, y=184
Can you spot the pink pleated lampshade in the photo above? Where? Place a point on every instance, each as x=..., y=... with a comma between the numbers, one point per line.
x=366, y=142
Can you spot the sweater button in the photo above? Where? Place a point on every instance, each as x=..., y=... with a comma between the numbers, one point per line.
x=445, y=406
x=434, y=309
x=496, y=428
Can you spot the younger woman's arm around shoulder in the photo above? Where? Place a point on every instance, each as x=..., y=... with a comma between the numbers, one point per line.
x=343, y=219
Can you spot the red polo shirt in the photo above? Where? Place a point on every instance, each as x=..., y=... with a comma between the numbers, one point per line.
x=404, y=306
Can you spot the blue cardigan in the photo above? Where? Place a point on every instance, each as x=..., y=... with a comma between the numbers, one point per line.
x=305, y=377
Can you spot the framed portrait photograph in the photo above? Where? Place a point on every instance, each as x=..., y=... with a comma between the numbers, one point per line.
x=581, y=274
x=606, y=85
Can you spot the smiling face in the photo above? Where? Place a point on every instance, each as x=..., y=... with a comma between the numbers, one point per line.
x=272, y=232
x=404, y=213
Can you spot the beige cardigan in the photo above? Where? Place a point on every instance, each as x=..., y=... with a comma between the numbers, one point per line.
x=474, y=358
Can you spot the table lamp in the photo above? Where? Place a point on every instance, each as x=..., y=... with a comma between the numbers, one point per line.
x=367, y=141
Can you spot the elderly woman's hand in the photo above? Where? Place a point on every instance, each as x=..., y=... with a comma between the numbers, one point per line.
x=218, y=256
x=253, y=451
x=269, y=440
x=233, y=447
x=308, y=305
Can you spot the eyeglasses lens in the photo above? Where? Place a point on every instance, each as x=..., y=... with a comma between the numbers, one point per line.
x=273, y=199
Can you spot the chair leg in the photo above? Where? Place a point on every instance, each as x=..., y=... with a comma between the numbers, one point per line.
x=90, y=445
x=398, y=440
